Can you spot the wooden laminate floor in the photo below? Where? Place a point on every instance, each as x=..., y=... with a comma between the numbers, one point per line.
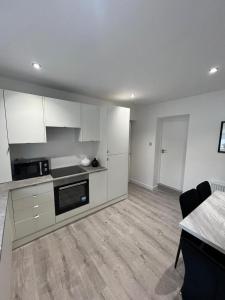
x=125, y=251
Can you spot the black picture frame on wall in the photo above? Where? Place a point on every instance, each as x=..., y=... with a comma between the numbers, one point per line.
x=221, y=146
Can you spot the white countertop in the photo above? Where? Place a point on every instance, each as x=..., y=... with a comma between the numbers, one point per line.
x=207, y=221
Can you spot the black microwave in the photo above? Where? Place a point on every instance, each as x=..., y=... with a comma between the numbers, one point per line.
x=29, y=168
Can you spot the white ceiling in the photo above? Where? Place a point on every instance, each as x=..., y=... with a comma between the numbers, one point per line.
x=158, y=49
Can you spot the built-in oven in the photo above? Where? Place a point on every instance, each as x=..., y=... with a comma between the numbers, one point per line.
x=70, y=193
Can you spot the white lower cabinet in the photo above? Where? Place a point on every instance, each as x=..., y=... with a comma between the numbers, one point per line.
x=117, y=176
x=33, y=209
x=24, y=228
x=5, y=260
x=97, y=188
x=45, y=220
x=34, y=224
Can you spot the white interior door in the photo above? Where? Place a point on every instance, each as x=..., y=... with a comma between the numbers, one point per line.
x=173, y=151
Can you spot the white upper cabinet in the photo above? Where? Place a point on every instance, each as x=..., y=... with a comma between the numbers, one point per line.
x=90, y=123
x=61, y=113
x=25, y=118
x=5, y=170
x=118, y=129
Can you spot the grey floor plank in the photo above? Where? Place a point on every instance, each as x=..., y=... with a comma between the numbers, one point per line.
x=125, y=251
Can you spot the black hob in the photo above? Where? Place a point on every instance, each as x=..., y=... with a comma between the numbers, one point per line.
x=67, y=171
x=71, y=188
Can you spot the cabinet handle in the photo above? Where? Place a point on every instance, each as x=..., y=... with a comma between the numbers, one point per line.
x=72, y=185
x=36, y=217
x=163, y=151
x=108, y=151
x=36, y=206
x=40, y=168
x=34, y=196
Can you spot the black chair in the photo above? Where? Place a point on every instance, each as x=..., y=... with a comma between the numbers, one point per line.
x=204, y=273
x=188, y=202
x=204, y=190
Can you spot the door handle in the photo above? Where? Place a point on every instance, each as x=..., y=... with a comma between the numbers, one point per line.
x=163, y=151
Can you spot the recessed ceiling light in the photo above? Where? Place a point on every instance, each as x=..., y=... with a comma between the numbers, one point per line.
x=36, y=65
x=132, y=96
x=213, y=70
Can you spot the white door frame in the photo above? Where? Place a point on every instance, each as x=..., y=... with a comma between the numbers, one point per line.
x=158, y=146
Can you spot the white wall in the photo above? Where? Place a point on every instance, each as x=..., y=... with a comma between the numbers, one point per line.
x=61, y=142
x=203, y=162
x=31, y=88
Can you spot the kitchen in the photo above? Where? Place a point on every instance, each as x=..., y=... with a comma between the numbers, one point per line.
x=48, y=193
x=112, y=143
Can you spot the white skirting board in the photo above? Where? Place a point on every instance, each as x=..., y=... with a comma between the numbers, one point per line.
x=148, y=187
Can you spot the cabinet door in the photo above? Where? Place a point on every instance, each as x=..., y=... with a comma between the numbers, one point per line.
x=60, y=113
x=45, y=220
x=118, y=129
x=117, y=176
x=25, y=118
x=97, y=188
x=29, y=207
x=25, y=227
x=90, y=123
x=5, y=261
x=33, y=209
x=5, y=170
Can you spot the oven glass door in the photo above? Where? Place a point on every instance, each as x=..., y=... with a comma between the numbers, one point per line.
x=70, y=196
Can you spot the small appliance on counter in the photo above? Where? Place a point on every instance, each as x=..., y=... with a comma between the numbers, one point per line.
x=85, y=162
x=95, y=163
x=29, y=168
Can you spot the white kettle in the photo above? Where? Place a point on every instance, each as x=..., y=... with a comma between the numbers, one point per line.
x=85, y=161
